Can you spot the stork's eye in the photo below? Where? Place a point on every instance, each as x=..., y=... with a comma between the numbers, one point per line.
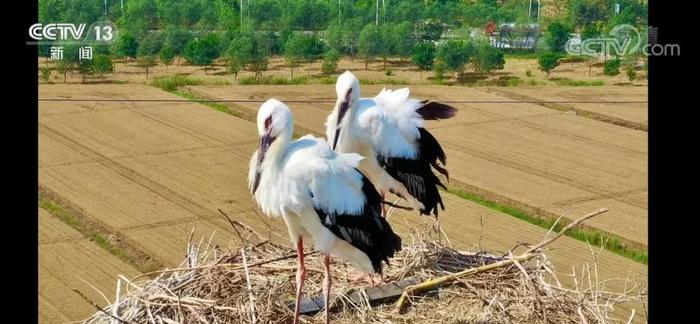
x=268, y=122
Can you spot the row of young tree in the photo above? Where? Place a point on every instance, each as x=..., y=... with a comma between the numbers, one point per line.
x=141, y=16
x=201, y=31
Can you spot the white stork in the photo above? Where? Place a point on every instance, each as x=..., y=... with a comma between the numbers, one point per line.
x=388, y=131
x=321, y=196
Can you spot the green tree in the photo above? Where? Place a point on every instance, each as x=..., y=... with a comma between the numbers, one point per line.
x=147, y=61
x=70, y=60
x=439, y=69
x=294, y=50
x=368, y=43
x=626, y=16
x=591, y=31
x=612, y=67
x=63, y=66
x=423, y=56
x=177, y=38
x=487, y=59
x=334, y=37
x=430, y=30
x=388, y=41
x=330, y=61
x=239, y=54
x=631, y=73
x=308, y=14
x=453, y=55
x=548, y=61
x=102, y=64
x=85, y=68
x=126, y=45
x=587, y=12
x=263, y=14
x=351, y=35
x=405, y=41
x=202, y=51
x=149, y=47
x=140, y=16
x=45, y=73
x=302, y=48
x=167, y=55
x=259, y=55
x=556, y=36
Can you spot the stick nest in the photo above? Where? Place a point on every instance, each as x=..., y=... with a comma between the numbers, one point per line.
x=211, y=286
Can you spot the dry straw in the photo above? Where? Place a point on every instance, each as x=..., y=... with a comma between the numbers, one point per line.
x=254, y=283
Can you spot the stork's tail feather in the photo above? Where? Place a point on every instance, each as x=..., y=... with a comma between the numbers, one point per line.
x=419, y=180
x=431, y=150
x=431, y=110
x=417, y=175
x=383, y=241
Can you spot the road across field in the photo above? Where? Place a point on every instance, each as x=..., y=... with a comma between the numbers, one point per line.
x=539, y=159
x=66, y=258
x=153, y=171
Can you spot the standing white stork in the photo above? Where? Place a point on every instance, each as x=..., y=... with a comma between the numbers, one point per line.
x=321, y=196
x=388, y=131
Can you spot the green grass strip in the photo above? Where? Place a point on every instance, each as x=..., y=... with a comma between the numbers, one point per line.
x=590, y=236
x=79, y=226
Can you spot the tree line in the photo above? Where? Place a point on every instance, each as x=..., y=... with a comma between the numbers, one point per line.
x=202, y=31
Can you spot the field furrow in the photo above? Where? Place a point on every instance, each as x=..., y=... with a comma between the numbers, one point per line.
x=67, y=260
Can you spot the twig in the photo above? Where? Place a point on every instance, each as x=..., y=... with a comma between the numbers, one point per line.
x=190, y=247
x=529, y=254
x=115, y=306
x=251, y=296
x=232, y=225
x=580, y=314
x=98, y=307
x=237, y=266
x=94, y=288
x=631, y=316
x=566, y=228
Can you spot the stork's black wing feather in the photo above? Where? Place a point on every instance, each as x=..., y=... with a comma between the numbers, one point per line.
x=431, y=110
x=416, y=174
x=369, y=232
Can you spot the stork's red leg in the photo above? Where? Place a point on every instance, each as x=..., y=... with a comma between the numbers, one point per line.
x=327, y=286
x=301, y=274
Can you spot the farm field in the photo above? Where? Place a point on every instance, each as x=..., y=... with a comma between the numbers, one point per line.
x=635, y=113
x=536, y=158
x=152, y=171
x=66, y=258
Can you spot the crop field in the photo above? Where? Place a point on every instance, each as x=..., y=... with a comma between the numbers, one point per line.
x=541, y=160
x=66, y=258
x=622, y=105
x=153, y=171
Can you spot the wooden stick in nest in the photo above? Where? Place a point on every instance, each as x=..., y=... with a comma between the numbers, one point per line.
x=527, y=255
x=251, y=296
